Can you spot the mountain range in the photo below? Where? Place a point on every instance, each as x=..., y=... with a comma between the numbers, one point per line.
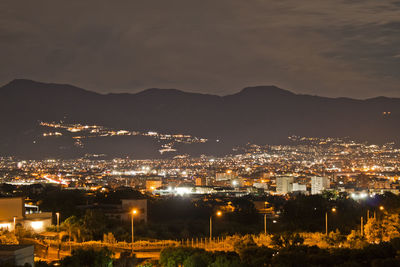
x=261, y=115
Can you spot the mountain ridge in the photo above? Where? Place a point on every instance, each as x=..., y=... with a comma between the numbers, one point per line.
x=249, y=89
x=258, y=114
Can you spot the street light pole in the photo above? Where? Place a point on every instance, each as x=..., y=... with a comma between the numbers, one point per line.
x=219, y=213
x=58, y=221
x=326, y=223
x=265, y=224
x=15, y=222
x=132, y=230
x=326, y=220
x=132, y=214
x=362, y=226
x=210, y=228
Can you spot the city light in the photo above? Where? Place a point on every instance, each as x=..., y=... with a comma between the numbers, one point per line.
x=37, y=225
x=6, y=226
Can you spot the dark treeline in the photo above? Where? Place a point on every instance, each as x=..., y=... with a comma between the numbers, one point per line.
x=384, y=254
x=184, y=217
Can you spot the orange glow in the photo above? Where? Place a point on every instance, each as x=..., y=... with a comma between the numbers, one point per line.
x=134, y=211
x=219, y=213
x=381, y=207
x=333, y=209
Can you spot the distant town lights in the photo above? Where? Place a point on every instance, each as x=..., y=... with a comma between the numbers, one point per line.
x=358, y=196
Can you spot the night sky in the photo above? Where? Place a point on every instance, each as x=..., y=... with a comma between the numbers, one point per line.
x=324, y=47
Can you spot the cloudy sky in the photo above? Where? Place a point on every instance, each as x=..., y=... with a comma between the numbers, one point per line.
x=323, y=47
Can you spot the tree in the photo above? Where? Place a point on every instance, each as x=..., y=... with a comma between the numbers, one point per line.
x=109, y=238
x=226, y=260
x=88, y=257
x=287, y=240
x=127, y=259
x=173, y=257
x=334, y=239
x=8, y=238
x=391, y=227
x=243, y=242
x=384, y=229
x=93, y=225
x=198, y=259
x=355, y=240
x=256, y=256
x=72, y=226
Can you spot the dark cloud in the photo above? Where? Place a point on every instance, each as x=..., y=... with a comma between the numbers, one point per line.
x=332, y=47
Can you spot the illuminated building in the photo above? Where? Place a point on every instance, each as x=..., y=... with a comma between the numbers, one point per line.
x=152, y=185
x=225, y=176
x=299, y=188
x=284, y=184
x=12, y=212
x=200, y=181
x=319, y=184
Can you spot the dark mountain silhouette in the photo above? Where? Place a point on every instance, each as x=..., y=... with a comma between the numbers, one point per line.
x=263, y=115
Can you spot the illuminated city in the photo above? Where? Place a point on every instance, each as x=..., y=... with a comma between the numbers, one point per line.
x=254, y=180
x=199, y=133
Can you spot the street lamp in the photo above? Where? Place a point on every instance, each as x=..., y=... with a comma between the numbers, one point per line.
x=58, y=221
x=265, y=224
x=381, y=208
x=219, y=214
x=326, y=220
x=133, y=213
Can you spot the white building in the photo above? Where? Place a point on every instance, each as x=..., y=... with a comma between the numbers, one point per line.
x=319, y=184
x=299, y=188
x=284, y=184
x=13, y=212
x=225, y=176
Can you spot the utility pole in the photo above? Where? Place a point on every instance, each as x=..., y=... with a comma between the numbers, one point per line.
x=362, y=226
x=265, y=224
x=210, y=228
x=326, y=223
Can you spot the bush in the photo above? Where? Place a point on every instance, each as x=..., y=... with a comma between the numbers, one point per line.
x=88, y=257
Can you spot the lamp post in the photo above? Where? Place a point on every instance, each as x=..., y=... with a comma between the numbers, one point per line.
x=381, y=209
x=218, y=213
x=362, y=226
x=58, y=221
x=326, y=220
x=133, y=213
x=15, y=222
x=265, y=224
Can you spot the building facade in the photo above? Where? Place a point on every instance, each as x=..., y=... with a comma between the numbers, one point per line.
x=284, y=184
x=319, y=184
x=13, y=213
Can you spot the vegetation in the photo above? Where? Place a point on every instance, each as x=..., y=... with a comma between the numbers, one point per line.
x=8, y=238
x=383, y=254
x=88, y=257
x=296, y=238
